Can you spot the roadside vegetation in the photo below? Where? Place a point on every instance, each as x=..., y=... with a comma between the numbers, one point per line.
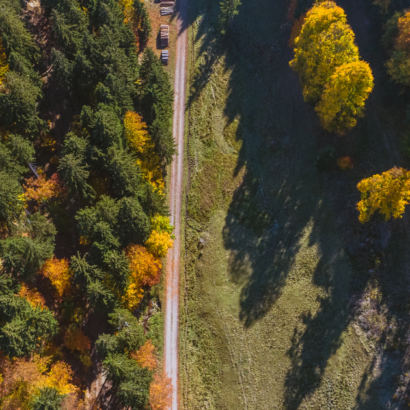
x=85, y=139
x=296, y=282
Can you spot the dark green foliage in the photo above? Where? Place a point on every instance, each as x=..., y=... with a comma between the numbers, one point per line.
x=47, y=399
x=133, y=224
x=100, y=297
x=156, y=104
x=152, y=202
x=75, y=145
x=83, y=272
x=8, y=285
x=74, y=174
x=24, y=327
x=229, y=8
x=131, y=381
x=15, y=156
x=124, y=171
x=62, y=68
x=15, y=36
x=107, y=128
x=23, y=67
x=129, y=334
x=11, y=205
x=41, y=228
x=23, y=257
x=116, y=265
x=144, y=22
x=18, y=105
x=326, y=158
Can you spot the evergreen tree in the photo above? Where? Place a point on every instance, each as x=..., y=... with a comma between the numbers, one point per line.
x=11, y=198
x=62, y=68
x=143, y=22
x=18, y=105
x=47, y=398
x=75, y=175
x=25, y=327
x=229, y=9
x=23, y=257
x=133, y=224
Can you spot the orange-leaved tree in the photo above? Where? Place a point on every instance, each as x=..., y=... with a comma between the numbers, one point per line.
x=59, y=273
x=42, y=189
x=22, y=379
x=387, y=193
x=34, y=297
x=161, y=238
x=145, y=356
x=345, y=163
x=160, y=392
x=4, y=67
x=145, y=270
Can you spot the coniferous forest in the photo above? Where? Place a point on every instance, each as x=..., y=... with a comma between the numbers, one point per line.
x=85, y=138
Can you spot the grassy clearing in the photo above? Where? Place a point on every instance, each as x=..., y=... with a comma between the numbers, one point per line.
x=289, y=302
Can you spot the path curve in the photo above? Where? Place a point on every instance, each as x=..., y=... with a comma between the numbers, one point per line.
x=175, y=197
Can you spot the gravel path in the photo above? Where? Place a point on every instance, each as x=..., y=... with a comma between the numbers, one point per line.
x=177, y=175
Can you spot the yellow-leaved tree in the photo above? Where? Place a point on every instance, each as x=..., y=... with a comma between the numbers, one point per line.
x=59, y=273
x=327, y=61
x=161, y=238
x=160, y=392
x=140, y=142
x=4, y=67
x=388, y=193
x=344, y=96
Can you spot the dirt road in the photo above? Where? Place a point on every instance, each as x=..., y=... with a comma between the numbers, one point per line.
x=177, y=176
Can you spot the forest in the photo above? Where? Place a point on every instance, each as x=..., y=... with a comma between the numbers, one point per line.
x=85, y=140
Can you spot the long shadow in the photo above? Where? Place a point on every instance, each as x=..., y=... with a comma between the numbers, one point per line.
x=283, y=202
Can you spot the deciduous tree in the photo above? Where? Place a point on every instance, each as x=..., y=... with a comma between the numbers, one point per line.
x=145, y=356
x=388, y=193
x=344, y=96
x=160, y=393
x=59, y=273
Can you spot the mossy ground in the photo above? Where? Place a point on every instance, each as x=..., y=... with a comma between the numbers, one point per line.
x=287, y=301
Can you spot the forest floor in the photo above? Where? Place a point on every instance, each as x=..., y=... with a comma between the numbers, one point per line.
x=288, y=301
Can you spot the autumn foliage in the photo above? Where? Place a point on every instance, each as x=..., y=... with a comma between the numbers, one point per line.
x=140, y=141
x=76, y=340
x=328, y=63
x=22, y=379
x=4, y=67
x=32, y=295
x=161, y=238
x=345, y=163
x=145, y=356
x=59, y=273
x=42, y=189
x=387, y=193
x=145, y=271
x=160, y=393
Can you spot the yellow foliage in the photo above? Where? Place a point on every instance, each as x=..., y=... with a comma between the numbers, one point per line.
x=59, y=273
x=344, y=96
x=145, y=271
x=33, y=297
x=388, y=194
x=145, y=356
x=158, y=243
x=136, y=133
x=22, y=378
x=160, y=392
x=140, y=141
x=161, y=224
x=325, y=42
x=4, y=67
x=60, y=377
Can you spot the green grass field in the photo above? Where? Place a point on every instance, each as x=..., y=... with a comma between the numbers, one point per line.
x=288, y=302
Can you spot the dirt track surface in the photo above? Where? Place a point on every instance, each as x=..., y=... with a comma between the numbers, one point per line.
x=176, y=185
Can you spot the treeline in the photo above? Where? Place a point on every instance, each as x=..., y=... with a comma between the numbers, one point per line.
x=99, y=188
